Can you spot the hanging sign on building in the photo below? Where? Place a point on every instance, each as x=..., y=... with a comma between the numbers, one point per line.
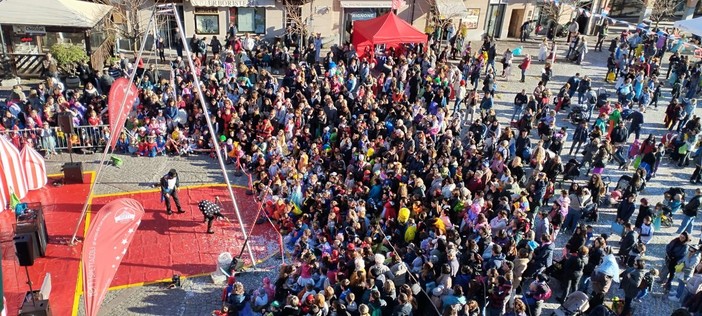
x=29, y=29
x=362, y=15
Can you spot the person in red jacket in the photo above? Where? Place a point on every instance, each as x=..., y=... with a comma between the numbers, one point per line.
x=524, y=66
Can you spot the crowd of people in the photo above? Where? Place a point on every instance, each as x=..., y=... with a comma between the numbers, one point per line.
x=398, y=188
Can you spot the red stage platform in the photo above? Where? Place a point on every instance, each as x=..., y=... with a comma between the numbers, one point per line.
x=178, y=244
x=164, y=245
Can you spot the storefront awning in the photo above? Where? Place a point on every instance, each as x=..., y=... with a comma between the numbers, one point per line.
x=233, y=3
x=62, y=13
x=366, y=3
x=451, y=9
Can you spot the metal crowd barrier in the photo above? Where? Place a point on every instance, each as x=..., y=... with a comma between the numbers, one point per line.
x=89, y=138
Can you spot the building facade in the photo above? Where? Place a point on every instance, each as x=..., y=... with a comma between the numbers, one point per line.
x=333, y=19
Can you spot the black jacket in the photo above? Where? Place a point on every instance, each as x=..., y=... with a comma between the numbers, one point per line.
x=594, y=259
x=625, y=210
x=693, y=206
x=543, y=255
x=521, y=99
x=675, y=250
x=627, y=243
x=573, y=267
x=580, y=134
x=643, y=212
x=619, y=134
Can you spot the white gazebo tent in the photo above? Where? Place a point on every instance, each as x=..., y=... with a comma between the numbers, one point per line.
x=693, y=26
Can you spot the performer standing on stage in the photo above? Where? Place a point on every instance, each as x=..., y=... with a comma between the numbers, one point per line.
x=210, y=211
x=169, y=188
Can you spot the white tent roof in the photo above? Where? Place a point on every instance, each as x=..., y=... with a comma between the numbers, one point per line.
x=66, y=13
x=693, y=26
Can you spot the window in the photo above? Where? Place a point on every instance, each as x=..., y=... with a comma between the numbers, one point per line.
x=206, y=21
x=248, y=20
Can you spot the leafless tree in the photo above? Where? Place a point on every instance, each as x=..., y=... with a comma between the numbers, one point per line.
x=661, y=10
x=130, y=20
x=297, y=22
x=451, y=15
x=556, y=11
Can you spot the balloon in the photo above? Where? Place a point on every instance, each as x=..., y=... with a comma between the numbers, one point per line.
x=223, y=138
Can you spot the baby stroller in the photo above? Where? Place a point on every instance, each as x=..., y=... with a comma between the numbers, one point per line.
x=602, y=96
x=673, y=191
x=577, y=113
x=624, y=185
x=574, y=305
x=666, y=216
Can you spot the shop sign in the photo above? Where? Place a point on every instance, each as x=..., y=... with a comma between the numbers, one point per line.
x=233, y=3
x=29, y=29
x=471, y=19
x=361, y=16
x=206, y=10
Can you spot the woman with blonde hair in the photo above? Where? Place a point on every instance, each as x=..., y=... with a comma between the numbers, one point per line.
x=363, y=310
x=321, y=302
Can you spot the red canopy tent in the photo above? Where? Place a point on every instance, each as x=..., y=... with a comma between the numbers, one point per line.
x=387, y=29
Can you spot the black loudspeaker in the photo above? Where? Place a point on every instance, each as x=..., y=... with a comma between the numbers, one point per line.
x=65, y=122
x=73, y=172
x=27, y=249
x=36, y=225
x=38, y=308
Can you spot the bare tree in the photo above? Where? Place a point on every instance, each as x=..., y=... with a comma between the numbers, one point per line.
x=451, y=15
x=130, y=20
x=661, y=10
x=297, y=22
x=556, y=11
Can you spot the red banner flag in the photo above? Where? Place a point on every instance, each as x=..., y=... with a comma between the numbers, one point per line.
x=120, y=88
x=107, y=241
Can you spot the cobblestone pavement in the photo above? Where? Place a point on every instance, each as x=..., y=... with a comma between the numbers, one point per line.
x=200, y=297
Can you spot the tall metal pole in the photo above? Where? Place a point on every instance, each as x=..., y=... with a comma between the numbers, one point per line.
x=218, y=152
x=114, y=131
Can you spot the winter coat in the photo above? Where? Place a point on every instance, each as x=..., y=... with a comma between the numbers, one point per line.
x=630, y=280
x=543, y=255
x=600, y=282
x=675, y=250
x=573, y=266
x=594, y=259
x=627, y=243
x=625, y=210
x=644, y=210
x=694, y=284
x=690, y=262
x=693, y=206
